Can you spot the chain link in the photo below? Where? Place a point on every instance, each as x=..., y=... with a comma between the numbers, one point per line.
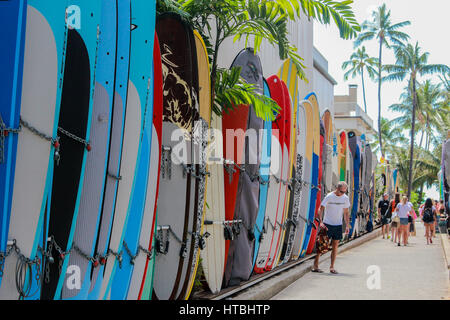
x=76, y=138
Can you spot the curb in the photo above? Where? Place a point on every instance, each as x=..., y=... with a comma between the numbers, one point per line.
x=446, y=247
x=267, y=289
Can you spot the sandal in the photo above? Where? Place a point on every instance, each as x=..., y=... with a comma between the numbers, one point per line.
x=317, y=270
x=333, y=271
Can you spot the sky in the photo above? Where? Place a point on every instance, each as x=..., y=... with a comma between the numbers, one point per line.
x=430, y=26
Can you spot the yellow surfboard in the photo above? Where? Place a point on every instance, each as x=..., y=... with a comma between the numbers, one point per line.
x=316, y=158
x=204, y=80
x=288, y=74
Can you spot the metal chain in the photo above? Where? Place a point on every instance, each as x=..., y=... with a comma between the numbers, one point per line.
x=86, y=143
x=54, y=141
x=24, y=267
x=140, y=249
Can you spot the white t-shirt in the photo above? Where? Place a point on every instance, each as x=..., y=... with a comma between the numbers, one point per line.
x=334, y=208
x=404, y=209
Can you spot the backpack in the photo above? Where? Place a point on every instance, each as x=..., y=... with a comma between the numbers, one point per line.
x=428, y=215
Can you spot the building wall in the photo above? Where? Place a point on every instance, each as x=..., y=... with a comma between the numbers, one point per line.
x=300, y=35
x=324, y=90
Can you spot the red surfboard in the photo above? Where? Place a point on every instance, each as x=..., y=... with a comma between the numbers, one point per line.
x=282, y=211
x=235, y=119
x=277, y=94
x=157, y=125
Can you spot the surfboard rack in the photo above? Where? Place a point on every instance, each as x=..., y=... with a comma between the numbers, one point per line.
x=166, y=162
x=223, y=222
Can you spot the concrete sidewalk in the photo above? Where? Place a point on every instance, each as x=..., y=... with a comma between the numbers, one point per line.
x=379, y=269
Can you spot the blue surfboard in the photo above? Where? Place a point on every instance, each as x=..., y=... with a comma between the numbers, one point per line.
x=12, y=35
x=313, y=196
x=143, y=19
x=82, y=259
x=264, y=172
x=356, y=189
x=116, y=145
x=83, y=18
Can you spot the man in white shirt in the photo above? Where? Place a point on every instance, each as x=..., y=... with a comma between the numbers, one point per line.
x=335, y=206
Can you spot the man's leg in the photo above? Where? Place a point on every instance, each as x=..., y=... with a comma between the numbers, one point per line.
x=334, y=251
x=316, y=261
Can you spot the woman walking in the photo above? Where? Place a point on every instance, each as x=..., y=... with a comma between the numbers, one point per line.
x=429, y=218
x=403, y=209
x=395, y=220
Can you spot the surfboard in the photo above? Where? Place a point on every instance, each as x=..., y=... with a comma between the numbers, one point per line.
x=177, y=216
x=74, y=129
x=198, y=179
x=356, y=161
x=335, y=164
x=13, y=15
x=362, y=167
x=213, y=254
x=301, y=232
x=283, y=201
x=239, y=264
x=395, y=178
x=139, y=225
x=142, y=280
x=329, y=145
x=131, y=191
x=122, y=154
x=288, y=74
x=202, y=127
x=317, y=170
x=446, y=164
x=311, y=245
x=343, y=156
x=276, y=166
x=44, y=57
x=369, y=184
x=299, y=186
x=445, y=174
x=264, y=172
x=86, y=229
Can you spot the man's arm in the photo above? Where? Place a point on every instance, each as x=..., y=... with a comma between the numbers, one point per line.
x=321, y=211
x=347, y=220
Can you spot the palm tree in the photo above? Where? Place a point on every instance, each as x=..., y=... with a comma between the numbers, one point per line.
x=429, y=97
x=360, y=61
x=381, y=28
x=392, y=135
x=411, y=62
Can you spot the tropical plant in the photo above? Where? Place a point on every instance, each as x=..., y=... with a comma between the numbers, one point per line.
x=358, y=63
x=411, y=62
x=254, y=20
x=392, y=135
x=381, y=28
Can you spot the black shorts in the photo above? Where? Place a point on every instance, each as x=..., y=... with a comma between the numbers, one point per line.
x=384, y=220
x=334, y=232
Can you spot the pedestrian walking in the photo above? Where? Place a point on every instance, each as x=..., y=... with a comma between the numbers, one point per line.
x=332, y=209
x=429, y=217
x=383, y=208
x=403, y=209
x=395, y=220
